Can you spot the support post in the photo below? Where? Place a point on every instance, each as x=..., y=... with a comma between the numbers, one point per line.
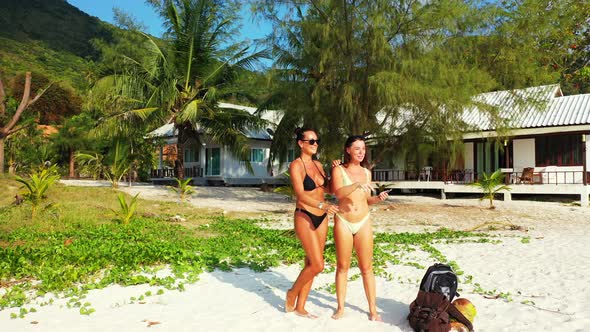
x=584, y=175
x=443, y=195
x=507, y=162
x=507, y=196
x=584, y=197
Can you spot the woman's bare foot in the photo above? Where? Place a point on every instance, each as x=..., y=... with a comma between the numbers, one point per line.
x=290, y=301
x=338, y=314
x=305, y=314
x=375, y=318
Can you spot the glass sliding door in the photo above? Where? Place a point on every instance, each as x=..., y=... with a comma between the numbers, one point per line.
x=212, y=161
x=488, y=156
x=479, y=161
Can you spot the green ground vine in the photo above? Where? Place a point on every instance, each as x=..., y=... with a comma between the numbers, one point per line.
x=69, y=262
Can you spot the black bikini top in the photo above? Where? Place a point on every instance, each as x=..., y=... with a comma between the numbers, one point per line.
x=308, y=183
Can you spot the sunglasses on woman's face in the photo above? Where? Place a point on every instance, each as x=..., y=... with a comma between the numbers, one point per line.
x=312, y=141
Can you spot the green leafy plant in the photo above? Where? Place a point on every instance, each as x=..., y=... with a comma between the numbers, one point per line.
x=90, y=164
x=183, y=188
x=95, y=165
x=118, y=168
x=127, y=211
x=37, y=185
x=490, y=185
x=287, y=189
x=381, y=187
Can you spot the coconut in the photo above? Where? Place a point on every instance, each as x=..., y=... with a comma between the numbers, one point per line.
x=466, y=308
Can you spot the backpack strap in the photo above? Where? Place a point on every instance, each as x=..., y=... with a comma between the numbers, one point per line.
x=455, y=313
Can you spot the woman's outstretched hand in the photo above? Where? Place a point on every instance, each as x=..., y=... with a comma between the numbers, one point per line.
x=383, y=195
x=331, y=208
x=336, y=163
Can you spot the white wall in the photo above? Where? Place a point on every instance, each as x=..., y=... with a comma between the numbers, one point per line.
x=468, y=155
x=232, y=168
x=524, y=153
x=587, y=152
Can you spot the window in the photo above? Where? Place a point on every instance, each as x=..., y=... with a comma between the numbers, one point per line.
x=560, y=150
x=256, y=155
x=191, y=154
x=290, y=155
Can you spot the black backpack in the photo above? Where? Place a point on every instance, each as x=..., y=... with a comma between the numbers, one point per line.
x=440, y=278
x=432, y=309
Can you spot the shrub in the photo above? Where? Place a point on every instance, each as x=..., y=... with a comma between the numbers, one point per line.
x=37, y=185
x=127, y=211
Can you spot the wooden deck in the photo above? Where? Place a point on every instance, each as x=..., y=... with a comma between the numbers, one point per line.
x=447, y=187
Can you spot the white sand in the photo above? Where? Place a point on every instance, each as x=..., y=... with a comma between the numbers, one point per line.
x=550, y=271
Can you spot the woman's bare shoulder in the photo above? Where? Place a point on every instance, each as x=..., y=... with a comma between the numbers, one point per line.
x=338, y=169
x=296, y=164
x=318, y=164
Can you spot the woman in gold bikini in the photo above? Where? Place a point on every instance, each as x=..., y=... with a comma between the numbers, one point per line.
x=311, y=222
x=351, y=183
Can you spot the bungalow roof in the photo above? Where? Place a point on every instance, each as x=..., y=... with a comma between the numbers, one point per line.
x=168, y=130
x=542, y=106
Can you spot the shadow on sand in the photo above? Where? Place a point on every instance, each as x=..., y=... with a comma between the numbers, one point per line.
x=263, y=284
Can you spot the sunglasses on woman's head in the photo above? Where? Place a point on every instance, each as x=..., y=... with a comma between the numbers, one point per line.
x=311, y=141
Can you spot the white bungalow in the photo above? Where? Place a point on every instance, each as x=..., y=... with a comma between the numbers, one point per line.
x=549, y=136
x=209, y=163
x=544, y=152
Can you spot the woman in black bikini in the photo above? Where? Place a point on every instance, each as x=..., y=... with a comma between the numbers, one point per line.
x=311, y=225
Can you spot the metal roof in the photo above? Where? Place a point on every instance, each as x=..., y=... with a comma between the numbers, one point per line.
x=168, y=130
x=542, y=106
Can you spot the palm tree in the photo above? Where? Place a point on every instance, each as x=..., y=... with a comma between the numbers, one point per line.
x=183, y=80
x=490, y=185
x=38, y=184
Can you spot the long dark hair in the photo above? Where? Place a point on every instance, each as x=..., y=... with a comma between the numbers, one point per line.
x=349, y=141
x=300, y=131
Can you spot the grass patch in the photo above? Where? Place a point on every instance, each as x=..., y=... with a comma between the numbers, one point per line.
x=77, y=246
x=86, y=205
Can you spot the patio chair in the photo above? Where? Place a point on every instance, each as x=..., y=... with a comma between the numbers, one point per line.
x=527, y=175
x=425, y=173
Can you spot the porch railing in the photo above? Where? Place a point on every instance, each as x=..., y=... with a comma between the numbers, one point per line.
x=385, y=175
x=466, y=176
x=191, y=172
x=548, y=177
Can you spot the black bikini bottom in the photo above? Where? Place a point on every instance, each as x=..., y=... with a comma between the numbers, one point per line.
x=315, y=220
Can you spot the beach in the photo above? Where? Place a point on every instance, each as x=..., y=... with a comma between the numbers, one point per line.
x=532, y=279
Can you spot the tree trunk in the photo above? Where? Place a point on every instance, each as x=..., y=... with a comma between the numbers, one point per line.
x=179, y=163
x=1, y=156
x=7, y=129
x=72, y=168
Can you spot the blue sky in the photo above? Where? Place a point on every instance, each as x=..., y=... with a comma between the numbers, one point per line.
x=103, y=9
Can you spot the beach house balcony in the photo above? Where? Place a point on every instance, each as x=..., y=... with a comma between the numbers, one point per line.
x=170, y=173
x=536, y=180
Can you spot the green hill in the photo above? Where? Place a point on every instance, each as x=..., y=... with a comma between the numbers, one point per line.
x=16, y=57
x=54, y=38
x=49, y=36
x=58, y=24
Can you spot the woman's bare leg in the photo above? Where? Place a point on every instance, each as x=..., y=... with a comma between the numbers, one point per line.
x=321, y=233
x=315, y=256
x=363, y=245
x=343, y=240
